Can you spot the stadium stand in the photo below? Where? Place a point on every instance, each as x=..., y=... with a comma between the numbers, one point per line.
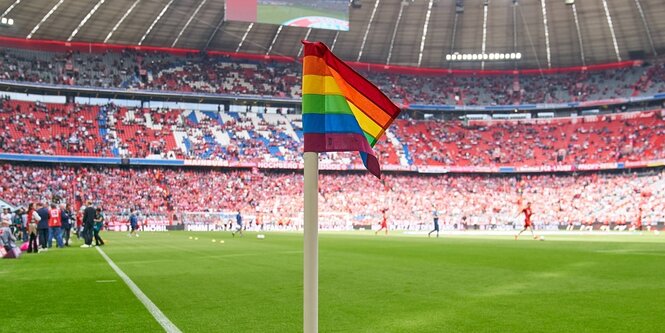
x=561, y=141
x=159, y=133
x=111, y=131
x=221, y=74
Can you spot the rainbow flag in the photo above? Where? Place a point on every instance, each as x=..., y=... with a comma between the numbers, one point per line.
x=342, y=111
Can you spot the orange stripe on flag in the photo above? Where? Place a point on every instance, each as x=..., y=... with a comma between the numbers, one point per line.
x=379, y=116
x=313, y=65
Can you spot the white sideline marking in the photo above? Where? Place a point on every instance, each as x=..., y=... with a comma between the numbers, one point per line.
x=168, y=326
x=105, y=281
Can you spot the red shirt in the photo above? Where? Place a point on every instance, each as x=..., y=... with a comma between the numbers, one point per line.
x=54, y=218
x=30, y=216
x=527, y=215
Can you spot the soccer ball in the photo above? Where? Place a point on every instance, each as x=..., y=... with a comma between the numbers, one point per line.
x=190, y=237
x=542, y=238
x=221, y=242
x=214, y=241
x=260, y=236
x=196, y=238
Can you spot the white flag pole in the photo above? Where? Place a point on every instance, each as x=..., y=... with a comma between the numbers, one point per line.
x=311, y=244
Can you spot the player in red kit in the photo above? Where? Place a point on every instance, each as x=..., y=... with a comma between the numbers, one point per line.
x=638, y=224
x=527, y=220
x=384, y=223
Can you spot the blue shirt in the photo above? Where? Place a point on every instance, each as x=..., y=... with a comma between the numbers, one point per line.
x=64, y=219
x=133, y=220
x=43, y=218
x=239, y=220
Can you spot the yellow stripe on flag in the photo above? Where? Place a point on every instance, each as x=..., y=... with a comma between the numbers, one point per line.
x=366, y=123
x=320, y=85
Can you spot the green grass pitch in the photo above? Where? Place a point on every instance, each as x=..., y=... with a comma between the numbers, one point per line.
x=282, y=14
x=367, y=283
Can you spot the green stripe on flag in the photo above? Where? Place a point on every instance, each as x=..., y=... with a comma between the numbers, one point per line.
x=331, y=104
x=370, y=139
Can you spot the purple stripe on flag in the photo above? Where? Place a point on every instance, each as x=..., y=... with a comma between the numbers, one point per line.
x=371, y=164
x=323, y=142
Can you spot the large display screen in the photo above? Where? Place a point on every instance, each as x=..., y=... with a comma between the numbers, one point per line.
x=319, y=14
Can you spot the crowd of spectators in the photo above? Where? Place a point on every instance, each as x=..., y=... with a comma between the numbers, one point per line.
x=152, y=70
x=358, y=198
x=566, y=141
x=51, y=129
x=223, y=75
x=113, y=131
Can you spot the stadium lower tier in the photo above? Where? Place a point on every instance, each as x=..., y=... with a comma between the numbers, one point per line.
x=346, y=199
x=113, y=131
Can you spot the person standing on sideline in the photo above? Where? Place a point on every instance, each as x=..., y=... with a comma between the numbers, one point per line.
x=25, y=220
x=79, y=221
x=65, y=221
x=527, y=221
x=42, y=226
x=238, y=225
x=88, y=223
x=384, y=223
x=99, y=224
x=133, y=223
x=435, y=217
x=32, y=221
x=55, y=226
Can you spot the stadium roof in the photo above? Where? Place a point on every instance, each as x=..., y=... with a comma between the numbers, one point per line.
x=579, y=34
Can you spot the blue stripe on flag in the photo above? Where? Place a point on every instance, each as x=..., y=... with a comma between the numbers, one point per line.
x=330, y=123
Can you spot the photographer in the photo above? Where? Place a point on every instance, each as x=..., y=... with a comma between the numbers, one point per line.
x=17, y=223
x=8, y=241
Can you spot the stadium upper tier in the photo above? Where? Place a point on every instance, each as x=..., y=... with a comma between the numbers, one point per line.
x=223, y=75
x=113, y=131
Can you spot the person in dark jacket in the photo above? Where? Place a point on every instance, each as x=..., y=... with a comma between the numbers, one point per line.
x=65, y=220
x=88, y=223
x=42, y=226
